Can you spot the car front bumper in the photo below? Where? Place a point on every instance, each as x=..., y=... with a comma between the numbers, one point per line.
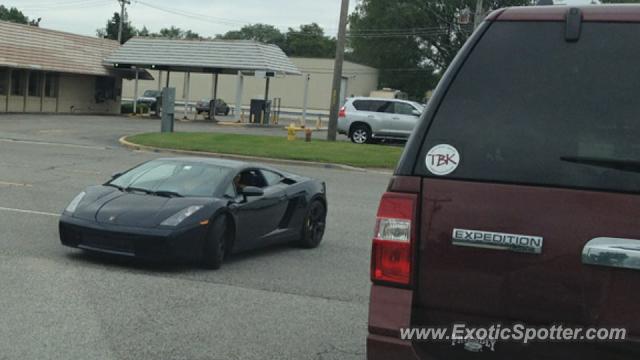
x=185, y=244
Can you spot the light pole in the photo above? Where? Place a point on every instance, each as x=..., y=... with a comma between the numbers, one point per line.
x=123, y=3
x=337, y=73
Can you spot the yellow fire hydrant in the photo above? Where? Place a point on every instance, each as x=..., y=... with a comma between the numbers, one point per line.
x=291, y=132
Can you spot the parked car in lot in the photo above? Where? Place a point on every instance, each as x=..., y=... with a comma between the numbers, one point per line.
x=366, y=119
x=195, y=209
x=517, y=200
x=150, y=98
x=222, y=108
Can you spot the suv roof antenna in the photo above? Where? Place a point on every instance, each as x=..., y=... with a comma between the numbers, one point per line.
x=574, y=24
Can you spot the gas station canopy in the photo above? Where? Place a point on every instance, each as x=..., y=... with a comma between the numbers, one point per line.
x=203, y=56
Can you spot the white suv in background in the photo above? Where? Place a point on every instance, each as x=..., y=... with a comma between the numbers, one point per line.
x=364, y=119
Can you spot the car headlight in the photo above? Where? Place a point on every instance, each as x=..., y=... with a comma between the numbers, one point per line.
x=73, y=205
x=181, y=215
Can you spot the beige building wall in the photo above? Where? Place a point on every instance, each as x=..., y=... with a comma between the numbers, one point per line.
x=76, y=94
x=360, y=79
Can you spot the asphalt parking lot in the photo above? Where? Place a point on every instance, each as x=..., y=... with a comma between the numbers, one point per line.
x=59, y=303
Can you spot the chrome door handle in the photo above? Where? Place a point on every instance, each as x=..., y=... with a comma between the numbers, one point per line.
x=612, y=252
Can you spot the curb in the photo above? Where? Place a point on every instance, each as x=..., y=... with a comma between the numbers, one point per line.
x=133, y=146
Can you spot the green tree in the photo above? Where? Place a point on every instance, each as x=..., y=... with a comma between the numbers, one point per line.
x=174, y=32
x=412, y=42
x=309, y=41
x=16, y=16
x=144, y=32
x=112, y=28
x=263, y=33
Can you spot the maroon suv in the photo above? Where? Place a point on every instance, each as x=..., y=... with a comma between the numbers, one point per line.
x=517, y=199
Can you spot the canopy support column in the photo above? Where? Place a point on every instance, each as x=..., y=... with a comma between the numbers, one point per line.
x=159, y=80
x=135, y=93
x=239, y=90
x=305, y=101
x=187, y=93
x=212, y=109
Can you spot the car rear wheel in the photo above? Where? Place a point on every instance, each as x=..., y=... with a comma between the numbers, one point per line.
x=314, y=225
x=361, y=134
x=215, y=246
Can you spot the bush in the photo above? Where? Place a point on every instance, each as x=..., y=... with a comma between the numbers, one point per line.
x=127, y=108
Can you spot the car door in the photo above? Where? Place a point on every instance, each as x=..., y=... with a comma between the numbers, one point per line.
x=384, y=113
x=404, y=119
x=258, y=217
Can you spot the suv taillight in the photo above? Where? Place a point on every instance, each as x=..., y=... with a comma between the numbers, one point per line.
x=391, y=260
x=343, y=112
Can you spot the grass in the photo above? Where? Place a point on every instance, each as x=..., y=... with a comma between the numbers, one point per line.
x=340, y=152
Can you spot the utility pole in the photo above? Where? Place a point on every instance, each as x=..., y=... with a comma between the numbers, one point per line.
x=337, y=73
x=123, y=3
x=479, y=16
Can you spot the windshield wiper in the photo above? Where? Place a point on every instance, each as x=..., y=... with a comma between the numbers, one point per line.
x=169, y=194
x=132, y=189
x=115, y=186
x=623, y=165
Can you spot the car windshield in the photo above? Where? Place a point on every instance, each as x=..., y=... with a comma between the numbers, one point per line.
x=151, y=93
x=185, y=178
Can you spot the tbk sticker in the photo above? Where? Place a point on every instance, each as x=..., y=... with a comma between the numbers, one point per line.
x=442, y=160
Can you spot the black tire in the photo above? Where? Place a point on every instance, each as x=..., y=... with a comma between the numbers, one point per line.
x=360, y=134
x=226, y=112
x=314, y=225
x=216, y=243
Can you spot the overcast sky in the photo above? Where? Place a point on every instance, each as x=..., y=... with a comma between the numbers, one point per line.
x=206, y=17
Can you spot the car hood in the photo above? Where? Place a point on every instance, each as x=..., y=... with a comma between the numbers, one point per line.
x=107, y=205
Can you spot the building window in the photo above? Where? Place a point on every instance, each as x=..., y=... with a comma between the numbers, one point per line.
x=51, y=85
x=105, y=89
x=4, y=81
x=17, y=82
x=34, y=84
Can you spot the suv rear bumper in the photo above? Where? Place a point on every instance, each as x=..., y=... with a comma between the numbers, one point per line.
x=384, y=347
x=390, y=310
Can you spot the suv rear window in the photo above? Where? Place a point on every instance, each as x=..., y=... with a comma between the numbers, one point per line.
x=528, y=107
x=373, y=105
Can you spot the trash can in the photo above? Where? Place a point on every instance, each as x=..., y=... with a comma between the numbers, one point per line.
x=259, y=109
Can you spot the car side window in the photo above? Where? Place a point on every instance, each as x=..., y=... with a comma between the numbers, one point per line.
x=230, y=192
x=404, y=109
x=272, y=178
x=362, y=105
x=250, y=178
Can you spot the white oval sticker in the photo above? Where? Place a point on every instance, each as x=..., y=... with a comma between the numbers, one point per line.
x=442, y=159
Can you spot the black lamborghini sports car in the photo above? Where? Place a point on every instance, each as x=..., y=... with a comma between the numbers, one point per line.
x=195, y=209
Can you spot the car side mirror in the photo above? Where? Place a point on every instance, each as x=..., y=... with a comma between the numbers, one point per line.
x=115, y=175
x=252, y=191
x=416, y=113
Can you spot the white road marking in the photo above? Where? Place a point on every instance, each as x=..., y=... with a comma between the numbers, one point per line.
x=5, y=183
x=53, y=144
x=31, y=212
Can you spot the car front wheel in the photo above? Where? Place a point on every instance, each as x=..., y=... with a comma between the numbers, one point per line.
x=215, y=245
x=314, y=225
x=361, y=134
